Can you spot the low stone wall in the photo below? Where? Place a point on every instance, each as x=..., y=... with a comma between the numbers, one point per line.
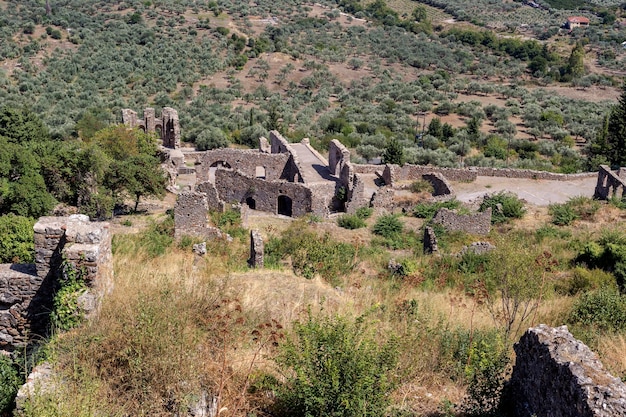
x=368, y=168
x=26, y=290
x=558, y=376
x=191, y=216
x=393, y=173
x=476, y=224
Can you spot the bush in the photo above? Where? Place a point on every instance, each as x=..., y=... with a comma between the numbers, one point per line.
x=158, y=237
x=604, y=309
x=609, y=254
x=16, y=239
x=66, y=313
x=335, y=367
x=387, y=226
x=504, y=206
x=575, y=208
x=351, y=221
x=9, y=384
x=428, y=210
x=364, y=212
x=562, y=214
x=584, y=280
x=211, y=138
x=421, y=186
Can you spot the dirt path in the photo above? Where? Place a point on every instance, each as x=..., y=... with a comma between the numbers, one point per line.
x=536, y=192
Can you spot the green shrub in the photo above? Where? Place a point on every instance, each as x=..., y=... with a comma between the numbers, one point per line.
x=10, y=382
x=562, y=214
x=583, y=280
x=66, y=314
x=575, y=208
x=504, y=206
x=428, y=210
x=335, y=367
x=351, y=221
x=551, y=231
x=387, y=226
x=364, y=212
x=421, y=186
x=604, y=309
x=158, y=237
x=310, y=253
x=16, y=239
x=608, y=253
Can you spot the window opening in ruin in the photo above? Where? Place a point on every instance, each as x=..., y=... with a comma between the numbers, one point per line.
x=221, y=164
x=285, y=205
x=250, y=202
x=159, y=131
x=169, y=134
x=260, y=172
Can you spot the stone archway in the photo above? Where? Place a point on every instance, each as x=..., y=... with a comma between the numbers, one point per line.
x=251, y=203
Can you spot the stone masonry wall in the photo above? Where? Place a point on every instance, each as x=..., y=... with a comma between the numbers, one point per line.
x=556, y=375
x=235, y=187
x=191, y=216
x=476, y=224
x=26, y=290
x=244, y=160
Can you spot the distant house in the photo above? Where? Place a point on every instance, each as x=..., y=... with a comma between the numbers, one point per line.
x=576, y=22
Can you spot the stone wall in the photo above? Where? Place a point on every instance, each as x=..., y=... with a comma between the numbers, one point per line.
x=610, y=184
x=191, y=216
x=393, y=173
x=26, y=290
x=476, y=224
x=270, y=166
x=235, y=187
x=558, y=376
x=440, y=184
x=256, y=250
x=338, y=156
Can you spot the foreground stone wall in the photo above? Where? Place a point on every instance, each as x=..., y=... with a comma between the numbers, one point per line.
x=556, y=375
x=26, y=290
x=610, y=184
x=476, y=224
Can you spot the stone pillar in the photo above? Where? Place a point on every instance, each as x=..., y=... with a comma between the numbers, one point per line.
x=430, y=240
x=256, y=250
x=129, y=118
x=149, y=119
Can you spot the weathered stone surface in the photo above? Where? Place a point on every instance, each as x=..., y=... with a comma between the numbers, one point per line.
x=477, y=224
x=256, y=250
x=610, y=184
x=191, y=216
x=430, y=240
x=478, y=248
x=556, y=375
x=39, y=381
x=440, y=184
x=61, y=244
x=168, y=126
x=199, y=249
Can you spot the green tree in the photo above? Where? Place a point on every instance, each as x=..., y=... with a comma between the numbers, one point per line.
x=609, y=145
x=435, y=128
x=419, y=14
x=575, y=63
x=21, y=126
x=16, y=239
x=394, y=153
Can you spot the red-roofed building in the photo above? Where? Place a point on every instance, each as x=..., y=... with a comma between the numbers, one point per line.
x=577, y=22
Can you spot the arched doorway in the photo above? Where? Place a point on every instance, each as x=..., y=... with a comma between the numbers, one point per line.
x=251, y=203
x=285, y=205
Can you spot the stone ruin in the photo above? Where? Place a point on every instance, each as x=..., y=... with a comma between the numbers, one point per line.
x=610, y=184
x=256, y=250
x=430, y=241
x=558, y=376
x=476, y=224
x=27, y=290
x=167, y=127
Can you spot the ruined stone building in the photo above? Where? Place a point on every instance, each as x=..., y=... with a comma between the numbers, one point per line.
x=166, y=127
x=26, y=290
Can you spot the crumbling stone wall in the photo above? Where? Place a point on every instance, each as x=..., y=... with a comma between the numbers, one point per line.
x=610, y=184
x=168, y=126
x=256, y=249
x=291, y=170
x=191, y=216
x=440, y=184
x=233, y=186
x=338, y=156
x=383, y=198
x=558, y=376
x=430, y=241
x=476, y=224
x=26, y=290
x=244, y=160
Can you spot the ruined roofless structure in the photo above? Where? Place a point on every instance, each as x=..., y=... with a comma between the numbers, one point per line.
x=167, y=126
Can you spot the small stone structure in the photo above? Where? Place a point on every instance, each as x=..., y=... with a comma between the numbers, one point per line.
x=26, y=290
x=256, y=250
x=558, y=376
x=476, y=224
x=430, y=240
x=610, y=184
x=440, y=184
x=191, y=216
x=167, y=127
x=478, y=248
